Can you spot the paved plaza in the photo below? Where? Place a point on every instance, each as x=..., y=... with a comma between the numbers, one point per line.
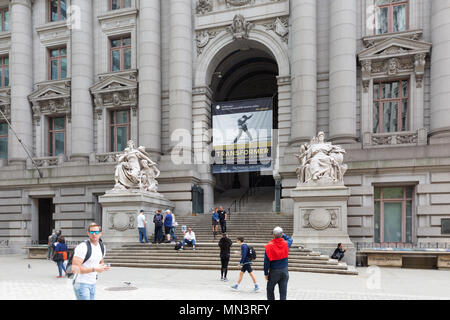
x=27, y=279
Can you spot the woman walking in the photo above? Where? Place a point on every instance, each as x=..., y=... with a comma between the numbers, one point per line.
x=60, y=255
x=225, y=244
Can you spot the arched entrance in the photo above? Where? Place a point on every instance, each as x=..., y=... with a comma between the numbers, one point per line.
x=230, y=70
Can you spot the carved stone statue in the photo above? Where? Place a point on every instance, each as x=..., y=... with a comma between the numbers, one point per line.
x=321, y=163
x=135, y=170
x=240, y=28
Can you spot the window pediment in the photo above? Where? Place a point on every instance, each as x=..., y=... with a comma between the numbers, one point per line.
x=50, y=100
x=394, y=47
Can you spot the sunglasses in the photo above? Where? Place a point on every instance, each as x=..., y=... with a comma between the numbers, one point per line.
x=94, y=232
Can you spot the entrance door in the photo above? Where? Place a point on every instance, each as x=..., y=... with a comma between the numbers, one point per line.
x=46, y=209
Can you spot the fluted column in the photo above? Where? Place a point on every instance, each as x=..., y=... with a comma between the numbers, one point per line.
x=82, y=80
x=342, y=55
x=21, y=68
x=440, y=68
x=150, y=75
x=304, y=70
x=180, y=72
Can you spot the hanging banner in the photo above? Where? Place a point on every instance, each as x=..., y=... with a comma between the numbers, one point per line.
x=242, y=135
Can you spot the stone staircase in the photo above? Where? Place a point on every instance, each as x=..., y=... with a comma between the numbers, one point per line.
x=256, y=228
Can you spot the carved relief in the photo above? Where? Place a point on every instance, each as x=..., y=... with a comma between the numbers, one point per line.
x=203, y=38
x=320, y=218
x=122, y=221
x=240, y=28
x=281, y=27
x=238, y=3
x=204, y=6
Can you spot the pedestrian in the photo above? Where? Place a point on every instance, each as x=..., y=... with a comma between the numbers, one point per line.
x=339, y=252
x=225, y=244
x=245, y=264
x=52, y=239
x=87, y=263
x=215, y=222
x=276, y=263
x=158, y=221
x=223, y=219
x=167, y=224
x=142, y=227
x=60, y=255
x=189, y=238
x=173, y=228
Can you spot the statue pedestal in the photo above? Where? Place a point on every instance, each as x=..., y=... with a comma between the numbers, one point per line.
x=120, y=211
x=320, y=219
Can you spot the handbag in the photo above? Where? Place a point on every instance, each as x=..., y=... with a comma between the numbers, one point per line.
x=58, y=256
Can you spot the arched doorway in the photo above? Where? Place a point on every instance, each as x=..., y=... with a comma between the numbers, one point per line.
x=248, y=71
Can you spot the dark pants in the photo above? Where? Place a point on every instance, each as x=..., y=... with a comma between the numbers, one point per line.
x=223, y=226
x=224, y=269
x=280, y=277
x=339, y=256
x=158, y=234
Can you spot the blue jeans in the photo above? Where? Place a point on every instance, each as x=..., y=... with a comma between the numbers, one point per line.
x=143, y=235
x=172, y=234
x=61, y=267
x=188, y=241
x=280, y=277
x=84, y=291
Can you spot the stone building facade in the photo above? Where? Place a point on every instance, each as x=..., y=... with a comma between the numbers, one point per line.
x=83, y=76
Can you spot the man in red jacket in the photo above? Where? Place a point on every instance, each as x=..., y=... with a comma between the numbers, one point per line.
x=276, y=263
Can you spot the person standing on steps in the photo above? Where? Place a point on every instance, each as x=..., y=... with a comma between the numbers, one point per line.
x=215, y=222
x=276, y=263
x=222, y=219
x=245, y=264
x=167, y=224
x=158, y=221
x=224, y=244
x=142, y=227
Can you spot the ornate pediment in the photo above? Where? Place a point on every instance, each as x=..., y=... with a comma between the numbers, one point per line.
x=394, y=47
x=51, y=99
x=115, y=91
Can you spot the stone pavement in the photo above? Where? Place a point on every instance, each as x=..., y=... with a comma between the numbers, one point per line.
x=18, y=281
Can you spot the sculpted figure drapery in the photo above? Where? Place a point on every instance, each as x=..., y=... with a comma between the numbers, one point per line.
x=135, y=170
x=321, y=162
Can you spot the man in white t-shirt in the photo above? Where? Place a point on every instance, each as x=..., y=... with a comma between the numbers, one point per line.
x=86, y=272
x=142, y=227
x=189, y=238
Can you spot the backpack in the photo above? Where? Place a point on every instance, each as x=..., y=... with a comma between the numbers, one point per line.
x=158, y=220
x=69, y=272
x=251, y=253
x=178, y=245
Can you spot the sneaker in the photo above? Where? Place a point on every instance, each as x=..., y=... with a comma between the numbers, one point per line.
x=225, y=280
x=256, y=288
x=181, y=249
x=221, y=278
x=235, y=287
x=193, y=249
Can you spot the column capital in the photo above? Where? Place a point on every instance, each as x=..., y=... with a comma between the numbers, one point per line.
x=26, y=3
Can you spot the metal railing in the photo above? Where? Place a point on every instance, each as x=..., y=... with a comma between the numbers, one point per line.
x=401, y=245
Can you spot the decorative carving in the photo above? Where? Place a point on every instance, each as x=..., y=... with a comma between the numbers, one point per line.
x=121, y=221
x=240, y=28
x=135, y=170
x=280, y=27
x=204, y=6
x=238, y=3
x=203, y=38
x=321, y=163
x=320, y=218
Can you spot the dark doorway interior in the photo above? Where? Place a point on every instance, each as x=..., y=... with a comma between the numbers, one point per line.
x=46, y=222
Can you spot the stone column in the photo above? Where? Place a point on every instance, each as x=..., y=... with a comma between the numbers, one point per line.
x=82, y=80
x=180, y=73
x=342, y=57
x=304, y=70
x=21, y=79
x=149, y=49
x=440, y=69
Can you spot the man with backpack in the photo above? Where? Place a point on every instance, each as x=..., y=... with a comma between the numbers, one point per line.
x=158, y=221
x=223, y=219
x=247, y=256
x=276, y=263
x=87, y=262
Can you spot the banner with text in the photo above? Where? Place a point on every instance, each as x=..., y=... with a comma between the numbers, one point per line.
x=242, y=135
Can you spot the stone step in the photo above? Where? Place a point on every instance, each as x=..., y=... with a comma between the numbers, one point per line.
x=217, y=267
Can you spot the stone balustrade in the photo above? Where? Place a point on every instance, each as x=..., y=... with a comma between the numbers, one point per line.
x=404, y=138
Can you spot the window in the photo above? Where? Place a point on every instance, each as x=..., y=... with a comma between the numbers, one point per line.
x=119, y=4
x=391, y=16
x=57, y=10
x=56, y=136
x=3, y=141
x=390, y=106
x=393, y=214
x=121, y=54
x=4, y=26
x=119, y=130
x=58, y=63
x=4, y=72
